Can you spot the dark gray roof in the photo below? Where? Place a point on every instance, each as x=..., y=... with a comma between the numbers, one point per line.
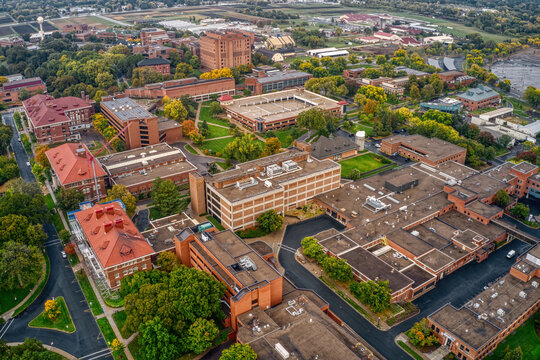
x=325, y=147
x=152, y=62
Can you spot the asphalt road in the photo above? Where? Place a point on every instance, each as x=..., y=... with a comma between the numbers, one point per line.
x=86, y=342
x=201, y=162
x=458, y=288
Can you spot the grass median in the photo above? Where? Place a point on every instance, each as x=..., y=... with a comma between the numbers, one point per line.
x=62, y=322
x=89, y=293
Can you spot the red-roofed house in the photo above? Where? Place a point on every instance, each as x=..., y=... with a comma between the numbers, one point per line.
x=56, y=120
x=114, y=248
x=386, y=36
x=71, y=168
x=409, y=41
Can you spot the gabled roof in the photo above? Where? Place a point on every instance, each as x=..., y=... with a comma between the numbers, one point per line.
x=112, y=235
x=325, y=147
x=152, y=62
x=70, y=163
x=45, y=110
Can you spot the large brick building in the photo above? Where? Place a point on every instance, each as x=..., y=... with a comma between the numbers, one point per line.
x=57, y=120
x=112, y=245
x=267, y=79
x=282, y=182
x=10, y=91
x=229, y=49
x=278, y=110
x=143, y=127
x=161, y=65
x=473, y=331
x=454, y=78
x=138, y=168
x=198, y=90
x=71, y=169
x=479, y=98
x=431, y=151
x=153, y=36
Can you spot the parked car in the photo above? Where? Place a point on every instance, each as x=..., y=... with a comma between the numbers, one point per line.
x=28, y=163
x=511, y=254
x=64, y=255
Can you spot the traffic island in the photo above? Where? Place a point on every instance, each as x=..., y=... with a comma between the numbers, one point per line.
x=55, y=316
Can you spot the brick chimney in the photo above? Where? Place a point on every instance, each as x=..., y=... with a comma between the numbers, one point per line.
x=108, y=225
x=109, y=209
x=99, y=213
x=119, y=223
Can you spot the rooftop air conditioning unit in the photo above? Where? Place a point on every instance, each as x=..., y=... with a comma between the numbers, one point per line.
x=282, y=351
x=522, y=294
x=500, y=312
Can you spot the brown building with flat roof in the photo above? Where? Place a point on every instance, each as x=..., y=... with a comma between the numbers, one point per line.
x=431, y=151
x=10, y=91
x=228, y=49
x=281, y=182
x=198, y=90
x=138, y=168
x=267, y=79
x=161, y=65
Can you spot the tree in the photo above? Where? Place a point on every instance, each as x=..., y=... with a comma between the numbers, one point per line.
x=8, y=169
x=52, y=309
x=312, y=249
x=188, y=126
x=217, y=74
x=196, y=137
x=166, y=196
x=501, y=198
x=156, y=342
x=200, y=335
x=373, y=92
x=375, y=294
x=504, y=141
x=69, y=249
x=6, y=133
x=167, y=261
x=121, y=192
x=272, y=145
x=485, y=138
x=529, y=156
x=35, y=235
x=312, y=119
x=183, y=71
x=415, y=92
x=532, y=96
x=69, y=199
x=355, y=174
x=514, y=354
x=238, y=352
x=243, y=148
x=117, y=347
x=337, y=269
x=31, y=349
x=175, y=110
x=270, y=221
x=19, y=186
x=520, y=211
x=105, y=80
x=20, y=265
x=215, y=108
x=40, y=157
x=421, y=335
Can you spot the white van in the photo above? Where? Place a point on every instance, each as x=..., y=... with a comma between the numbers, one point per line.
x=511, y=254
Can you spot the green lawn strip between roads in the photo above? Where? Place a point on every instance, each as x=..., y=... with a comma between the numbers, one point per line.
x=62, y=323
x=217, y=131
x=89, y=293
x=525, y=337
x=120, y=319
x=39, y=288
x=109, y=335
x=409, y=350
x=363, y=163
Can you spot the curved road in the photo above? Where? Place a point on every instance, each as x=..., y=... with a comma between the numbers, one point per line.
x=457, y=288
x=86, y=342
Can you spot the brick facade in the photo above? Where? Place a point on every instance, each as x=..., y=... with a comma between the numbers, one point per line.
x=228, y=49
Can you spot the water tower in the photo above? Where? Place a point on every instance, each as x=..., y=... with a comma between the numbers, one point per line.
x=40, y=22
x=360, y=138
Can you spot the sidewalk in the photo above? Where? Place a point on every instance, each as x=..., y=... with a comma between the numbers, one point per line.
x=61, y=213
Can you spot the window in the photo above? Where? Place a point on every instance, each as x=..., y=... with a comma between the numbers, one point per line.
x=117, y=275
x=117, y=282
x=143, y=266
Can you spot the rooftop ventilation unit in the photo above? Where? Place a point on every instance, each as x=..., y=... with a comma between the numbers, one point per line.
x=290, y=165
x=247, y=264
x=500, y=312
x=376, y=204
x=273, y=170
x=369, y=187
x=247, y=184
x=415, y=233
x=282, y=351
x=522, y=294
x=534, y=284
x=268, y=184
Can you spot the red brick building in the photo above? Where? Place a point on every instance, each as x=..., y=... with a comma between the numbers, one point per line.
x=114, y=248
x=72, y=169
x=153, y=36
x=10, y=92
x=267, y=79
x=57, y=120
x=199, y=90
x=158, y=64
x=479, y=98
x=353, y=73
x=229, y=49
x=454, y=79
x=432, y=151
x=154, y=51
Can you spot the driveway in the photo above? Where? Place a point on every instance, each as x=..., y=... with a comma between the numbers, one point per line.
x=199, y=161
x=86, y=342
x=470, y=280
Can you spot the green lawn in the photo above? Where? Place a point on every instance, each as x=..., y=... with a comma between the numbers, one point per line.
x=285, y=136
x=57, y=221
x=215, y=222
x=39, y=288
x=155, y=213
x=9, y=299
x=224, y=165
x=364, y=163
x=520, y=107
x=361, y=127
x=204, y=114
x=134, y=348
x=216, y=146
x=191, y=150
x=108, y=334
x=217, y=131
x=409, y=350
x=526, y=337
x=62, y=323
x=120, y=319
x=49, y=201
x=89, y=293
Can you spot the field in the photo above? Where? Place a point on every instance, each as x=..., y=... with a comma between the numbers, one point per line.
x=216, y=146
x=6, y=20
x=8, y=299
x=217, y=131
x=62, y=323
x=24, y=29
x=5, y=31
x=47, y=26
x=525, y=337
x=90, y=20
x=364, y=163
x=362, y=127
x=285, y=136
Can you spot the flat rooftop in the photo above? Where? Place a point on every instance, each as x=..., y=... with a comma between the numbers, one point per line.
x=162, y=232
x=273, y=76
x=279, y=105
x=126, y=109
x=163, y=171
x=418, y=275
x=433, y=149
x=134, y=159
x=484, y=185
x=435, y=260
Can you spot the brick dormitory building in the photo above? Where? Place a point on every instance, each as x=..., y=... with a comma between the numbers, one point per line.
x=57, y=120
x=229, y=48
x=143, y=128
x=418, y=224
x=474, y=330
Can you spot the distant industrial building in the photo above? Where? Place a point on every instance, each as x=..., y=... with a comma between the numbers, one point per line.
x=278, y=110
x=279, y=42
x=267, y=79
x=502, y=122
x=228, y=49
x=198, y=90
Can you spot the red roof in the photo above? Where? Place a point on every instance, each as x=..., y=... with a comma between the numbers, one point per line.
x=342, y=102
x=369, y=38
x=112, y=235
x=225, y=97
x=385, y=34
x=409, y=40
x=70, y=163
x=45, y=110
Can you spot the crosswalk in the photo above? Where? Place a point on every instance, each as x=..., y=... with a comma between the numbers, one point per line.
x=288, y=248
x=5, y=327
x=97, y=355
